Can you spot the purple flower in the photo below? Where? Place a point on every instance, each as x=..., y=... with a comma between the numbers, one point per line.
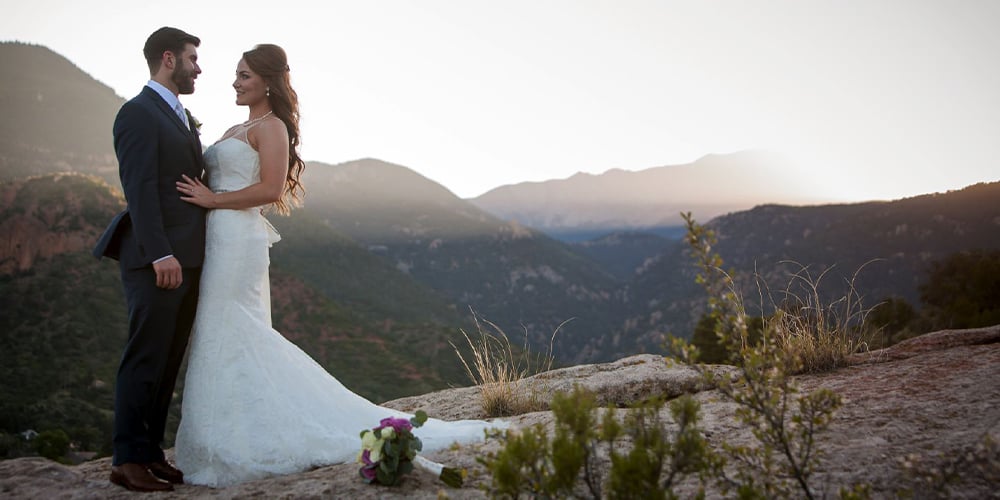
x=368, y=472
x=398, y=424
x=366, y=457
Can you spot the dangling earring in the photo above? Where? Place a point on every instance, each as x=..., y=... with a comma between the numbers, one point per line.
x=268, y=92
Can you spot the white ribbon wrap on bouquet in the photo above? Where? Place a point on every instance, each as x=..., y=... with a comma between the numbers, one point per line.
x=428, y=465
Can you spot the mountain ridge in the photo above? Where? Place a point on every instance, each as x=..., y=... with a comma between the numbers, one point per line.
x=889, y=244
x=514, y=276
x=51, y=106
x=619, y=199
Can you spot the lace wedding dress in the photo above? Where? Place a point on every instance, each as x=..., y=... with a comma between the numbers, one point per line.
x=254, y=404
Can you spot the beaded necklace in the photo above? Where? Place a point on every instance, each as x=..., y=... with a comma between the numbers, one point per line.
x=255, y=120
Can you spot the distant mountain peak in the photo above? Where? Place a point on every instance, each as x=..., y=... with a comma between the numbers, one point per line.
x=613, y=171
x=715, y=184
x=371, y=176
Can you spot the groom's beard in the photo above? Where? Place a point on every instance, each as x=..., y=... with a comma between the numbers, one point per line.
x=184, y=80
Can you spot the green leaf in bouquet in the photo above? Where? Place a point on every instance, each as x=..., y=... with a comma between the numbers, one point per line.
x=384, y=477
x=405, y=467
x=418, y=418
x=389, y=464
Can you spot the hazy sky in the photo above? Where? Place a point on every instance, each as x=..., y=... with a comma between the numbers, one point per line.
x=876, y=98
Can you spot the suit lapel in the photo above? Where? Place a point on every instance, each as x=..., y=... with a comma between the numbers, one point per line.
x=172, y=116
x=196, y=140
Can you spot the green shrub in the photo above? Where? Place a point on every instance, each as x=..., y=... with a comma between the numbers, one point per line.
x=894, y=320
x=52, y=444
x=710, y=349
x=809, y=335
x=784, y=423
x=657, y=461
x=963, y=290
x=584, y=458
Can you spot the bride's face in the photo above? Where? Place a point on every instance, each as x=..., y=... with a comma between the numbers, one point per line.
x=250, y=87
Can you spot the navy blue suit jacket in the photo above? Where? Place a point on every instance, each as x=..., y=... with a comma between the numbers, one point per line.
x=154, y=149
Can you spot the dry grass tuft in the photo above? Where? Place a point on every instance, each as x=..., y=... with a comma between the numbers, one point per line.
x=815, y=337
x=500, y=371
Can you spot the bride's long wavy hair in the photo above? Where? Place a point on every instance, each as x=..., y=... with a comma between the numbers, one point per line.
x=270, y=62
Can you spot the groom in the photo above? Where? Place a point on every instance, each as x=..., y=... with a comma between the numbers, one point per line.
x=159, y=242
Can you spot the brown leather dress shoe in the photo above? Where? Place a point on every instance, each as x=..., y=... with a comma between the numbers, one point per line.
x=166, y=471
x=135, y=477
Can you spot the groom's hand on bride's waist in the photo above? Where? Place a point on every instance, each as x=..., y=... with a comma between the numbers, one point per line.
x=168, y=273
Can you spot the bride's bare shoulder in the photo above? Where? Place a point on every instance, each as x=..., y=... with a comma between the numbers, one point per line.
x=270, y=128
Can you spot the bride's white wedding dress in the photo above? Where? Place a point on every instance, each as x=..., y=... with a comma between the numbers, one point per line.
x=254, y=404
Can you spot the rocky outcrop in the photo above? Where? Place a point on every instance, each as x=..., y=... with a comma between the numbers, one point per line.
x=50, y=215
x=618, y=383
x=925, y=405
x=26, y=239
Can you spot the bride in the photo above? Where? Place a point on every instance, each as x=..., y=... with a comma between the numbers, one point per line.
x=255, y=405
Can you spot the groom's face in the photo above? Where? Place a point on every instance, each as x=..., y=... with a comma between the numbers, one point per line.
x=186, y=69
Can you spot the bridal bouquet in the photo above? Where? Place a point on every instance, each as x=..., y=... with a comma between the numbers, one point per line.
x=390, y=450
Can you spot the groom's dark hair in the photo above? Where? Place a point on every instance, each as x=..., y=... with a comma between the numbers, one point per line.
x=166, y=39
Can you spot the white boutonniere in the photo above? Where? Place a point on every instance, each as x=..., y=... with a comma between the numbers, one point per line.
x=195, y=123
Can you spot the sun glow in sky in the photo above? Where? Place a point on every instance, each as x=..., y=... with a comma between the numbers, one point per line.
x=877, y=100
